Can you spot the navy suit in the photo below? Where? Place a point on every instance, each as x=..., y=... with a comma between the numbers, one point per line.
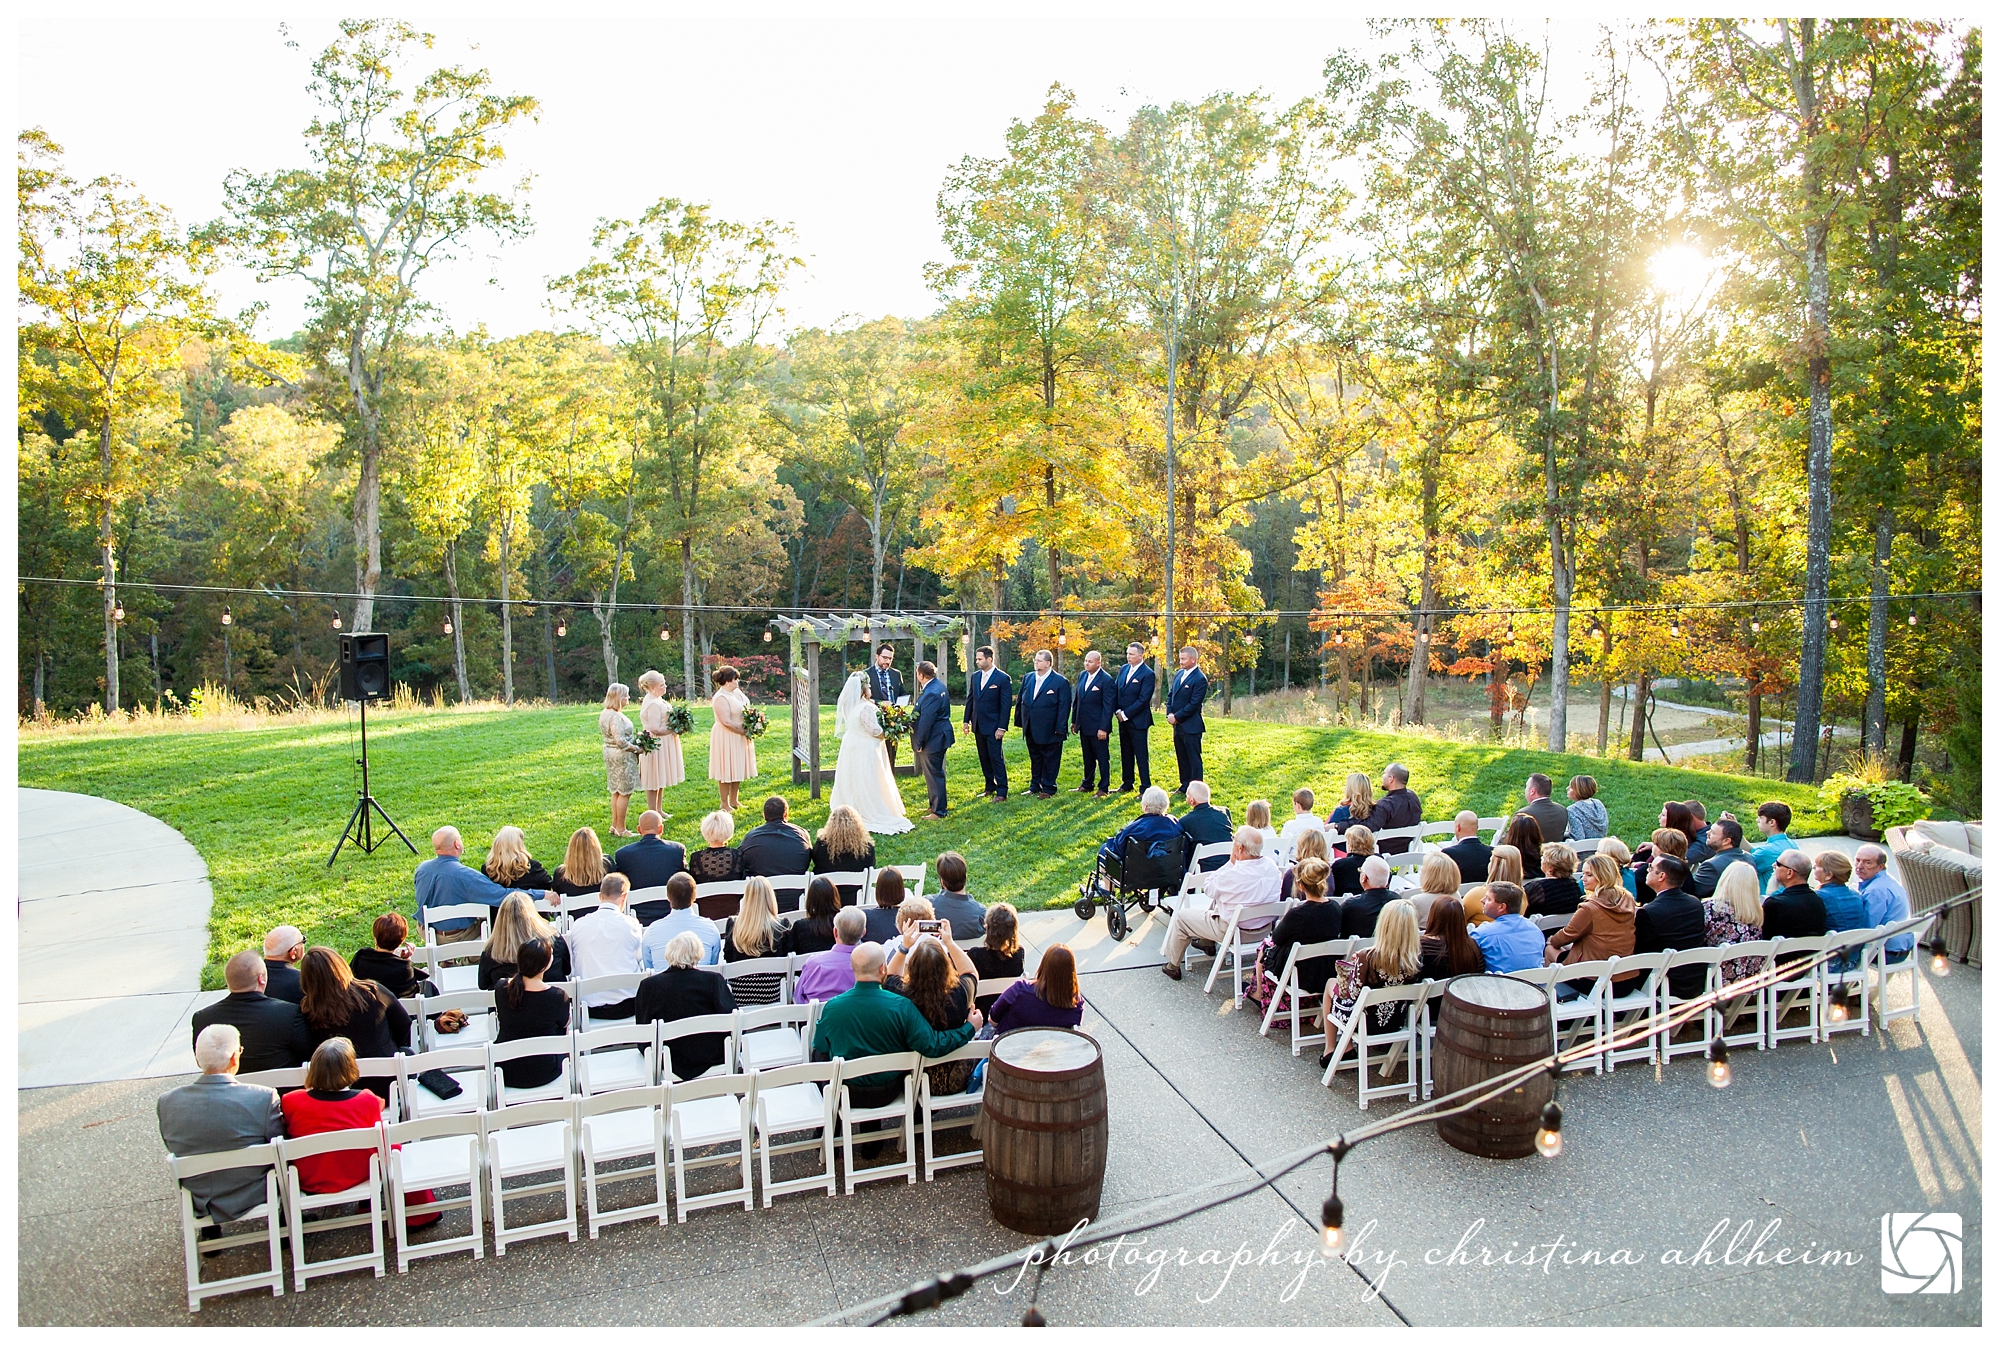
x=1186, y=690
x=931, y=736
x=1096, y=698
x=987, y=698
x=1043, y=712
x=1134, y=689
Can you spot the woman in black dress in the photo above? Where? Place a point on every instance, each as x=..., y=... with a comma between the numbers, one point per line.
x=1556, y=892
x=337, y=1005
x=525, y=1005
x=509, y=864
x=716, y=862
x=1314, y=920
x=516, y=924
x=757, y=932
x=1345, y=878
x=999, y=957
x=582, y=869
x=391, y=963
x=812, y=932
x=844, y=846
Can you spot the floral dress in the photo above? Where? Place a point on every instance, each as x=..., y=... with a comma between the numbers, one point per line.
x=621, y=762
x=1356, y=972
x=1723, y=929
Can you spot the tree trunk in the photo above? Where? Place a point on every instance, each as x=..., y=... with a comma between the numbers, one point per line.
x=108, y=558
x=687, y=625
x=1819, y=423
x=153, y=643
x=507, y=608
x=1604, y=693
x=1227, y=680
x=1287, y=686
x=1875, y=719
x=367, y=531
x=549, y=648
x=41, y=679
x=1635, y=750
x=606, y=613
x=1906, y=751
x=879, y=546
x=1756, y=726
x=457, y=622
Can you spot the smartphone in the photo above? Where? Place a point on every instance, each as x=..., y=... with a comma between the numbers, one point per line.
x=929, y=926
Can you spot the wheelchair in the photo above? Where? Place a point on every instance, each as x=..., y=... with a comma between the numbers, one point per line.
x=1136, y=879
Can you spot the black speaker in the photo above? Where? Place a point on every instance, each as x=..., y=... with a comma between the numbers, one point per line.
x=364, y=668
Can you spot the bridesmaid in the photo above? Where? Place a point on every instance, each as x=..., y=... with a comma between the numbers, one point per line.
x=732, y=756
x=662, y=768
x=621, y=754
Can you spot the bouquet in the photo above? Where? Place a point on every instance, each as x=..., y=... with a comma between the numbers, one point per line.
x=896, y=722
x=754, y=722
x=647, y=743
x=680, y=720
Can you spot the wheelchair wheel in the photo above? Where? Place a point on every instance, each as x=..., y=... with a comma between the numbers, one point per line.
x=1115, y=921
x=1084, y=908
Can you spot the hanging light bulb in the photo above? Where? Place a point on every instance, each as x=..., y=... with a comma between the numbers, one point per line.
x=1940, y=964
x=1062, y=637
x=447, y=625
x=1340, y=637
x=1913, y=618
x=665, y=634
x=562, y=629
x=336, y=621
x=1833, y=623
x=1755, y=625
x=118, y=612
x=1837, y=1011
x=1332, y=1214
x=1675, y=628
x=1719, y=1075
x=1549, y=1139
x=767, y=637
x=227, y=619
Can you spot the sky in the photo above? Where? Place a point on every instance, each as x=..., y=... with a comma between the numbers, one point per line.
x=839, y=119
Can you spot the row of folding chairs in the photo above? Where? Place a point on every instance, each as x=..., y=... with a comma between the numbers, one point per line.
x=566, y=1145
x=1427, y=837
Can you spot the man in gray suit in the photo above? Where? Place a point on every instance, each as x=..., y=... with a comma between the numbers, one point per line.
x=1549, y=815
x=214, y=1114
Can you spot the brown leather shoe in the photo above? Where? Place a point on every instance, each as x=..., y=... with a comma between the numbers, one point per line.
x=1172, y=970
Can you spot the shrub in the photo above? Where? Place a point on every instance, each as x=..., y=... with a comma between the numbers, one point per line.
x=1896, y=804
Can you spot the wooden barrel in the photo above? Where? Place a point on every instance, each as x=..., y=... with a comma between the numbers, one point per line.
x=1489, y=1025
x=1044, y=1130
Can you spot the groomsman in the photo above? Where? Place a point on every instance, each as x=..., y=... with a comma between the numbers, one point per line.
x=1043, y=715
x=1135, y=717
x=887, y=683
x=1185, y=693
x=1096, y=699
x=988, y=693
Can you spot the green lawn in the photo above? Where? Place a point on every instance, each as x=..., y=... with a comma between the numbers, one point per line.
x=264, y=805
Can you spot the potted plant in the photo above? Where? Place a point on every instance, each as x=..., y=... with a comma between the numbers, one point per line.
x=1870, y=801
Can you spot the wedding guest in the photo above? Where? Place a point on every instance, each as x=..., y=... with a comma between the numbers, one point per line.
x=1052, y=999
x=283, y=949
x=444, y=880
x=1311, y=845
x=1551, y=818
x=272, y=1032
x=649, y=863
x=1773, y=819
x=812, y=927
x=1447, y=948
x=732, y=755
x=337, y=1005
x=1588, y=821
x=1302, y=820
x=621, y=754
x=716, y=862
x=867, y=1020
x=526, y=1005
x=1155, y=834
x=328, y=1102
x=516, y=924
x=778, y=848
x=509, y=864
x=1314, y=919
x=391, y=963
x=1396, y=959
x=999, y=956
x=966, y=916
x=883, y=916
x=1508, y=939
x=937, y=977
x=910, y=912
x=1356, y=806
x=1616, y=848
x=605, y=942
x=1557, y=891
x=1359, y=913
x=1666, y=842
x=844, y=846
x=1887, y=902
x=1466, y=849
x=1347, y=869
x=215, y=1114
x=582, y=869
x=1474, y=902
x=1505, y=865
x=1725, y=847
x=756, y=932
x=1399, y=807
x=826, y=974
x=1735, y=914
x=1257, y=816
x=1437, y=878
x=1671, y=919
x=682, y=990
x=1844, y=907
x=1524, y=833
x=1249, y=879
x=682, y=918
x=1698, y=847
x=1205, y=823
x=662, y=768
x=1602, y=924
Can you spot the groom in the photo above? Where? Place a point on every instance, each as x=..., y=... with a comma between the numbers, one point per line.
x=931, y=735
x=886, y=683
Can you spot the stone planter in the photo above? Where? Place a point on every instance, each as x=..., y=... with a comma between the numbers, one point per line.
x=1857, y=816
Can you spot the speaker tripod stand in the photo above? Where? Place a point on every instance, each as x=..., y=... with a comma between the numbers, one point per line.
x=361, y=823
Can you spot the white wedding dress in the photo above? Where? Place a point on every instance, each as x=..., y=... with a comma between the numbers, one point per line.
x=862, y=779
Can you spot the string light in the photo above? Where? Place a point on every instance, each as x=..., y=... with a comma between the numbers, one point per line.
x=1755, y=625
x=447, y=625
x=227, y=619
x=1940, y=964
x=1675, y=628
x=118, y=612
x=767, y=637
x=562, y=629
x=1837, y=1011
x=1719, y=1075
x=1833, y=622
x=1913, y=618
x=1549, y=1139
x=336, y=621
x=665, y=634
x=1332, y=1214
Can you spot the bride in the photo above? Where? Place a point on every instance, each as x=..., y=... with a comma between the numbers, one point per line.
x=862, y=779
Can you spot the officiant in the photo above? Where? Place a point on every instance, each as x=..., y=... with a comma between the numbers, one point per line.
x=887, y=684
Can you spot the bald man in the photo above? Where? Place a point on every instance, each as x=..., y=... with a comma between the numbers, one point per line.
x=273, y=1032
x=443, y=880
x=1471, y=854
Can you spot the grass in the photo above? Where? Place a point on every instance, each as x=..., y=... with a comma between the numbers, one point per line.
x=264, y=805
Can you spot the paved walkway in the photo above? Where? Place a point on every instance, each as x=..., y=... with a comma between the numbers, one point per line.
x=97, y=875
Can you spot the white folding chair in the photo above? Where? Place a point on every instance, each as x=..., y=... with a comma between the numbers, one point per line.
x=1249, y=923
x=718, y=1024
x=1708, y=962
x=1801, y=986
x=617, y=1126
x=995, y=986
x=1548, y=924
x=1414, y=835
x=719, y=900
x=775, y=1035
x=614, y=1059
x=275, y=1078
x=625, y=985
x=452, y=967
x=506, y=1095
x=793, y=1100
x=1730, y=1006
x=964, y=1109
x=366, y=1192
x=1429, y=834
x=900, y=1109
x=1286, y=983
x=913, y=877
x=476, y=1005
x=855, y=878
x=1582, y=1015
x=200, y=1165
x=1877, y=955
x=1632, y=1005
x=582, y=903
x=1839, y=980
x=1359, y=1031
x=1585, y=849
x=389, y=1069
x=1192, y=894
x=780, y=966
x=433, y=916
x=427, y=1155
x=465, y=1065
x=531, y=1140
x=1496, y=825
x=711, y=1112
x=790, y=890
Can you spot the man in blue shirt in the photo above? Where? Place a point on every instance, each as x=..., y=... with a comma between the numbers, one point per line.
x=1509, y=939
x=1772, y=819
x=1844, y=907
x=444, y=881
x=1156, y=834
x=683, y=918
x=1883, y=899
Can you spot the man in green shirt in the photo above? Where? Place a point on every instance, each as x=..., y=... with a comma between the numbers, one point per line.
x=869, y=1020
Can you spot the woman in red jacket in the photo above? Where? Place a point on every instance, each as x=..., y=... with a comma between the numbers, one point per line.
x=330, y=1101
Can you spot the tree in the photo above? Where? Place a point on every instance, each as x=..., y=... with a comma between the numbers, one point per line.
x=391, y=193
x=112, y=290
x=441, y=423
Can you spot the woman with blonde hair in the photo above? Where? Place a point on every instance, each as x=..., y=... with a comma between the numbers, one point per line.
x=1347, y=870
x=582, y=868
x=509, y=864
x=1556, y=892
x=662, y=768
x=716, y=862
x=1735, y=914
x=1396, y=959
x=844, y=846
x=621, y=754
x=1311, y=844
x=1357, y=800
x=755, y=931
x=1505, y=866
x=732, y=756
x=1602, y=925
x=1439, y=877
x=1622, y=855
x=516, y=923
x=1257, y=816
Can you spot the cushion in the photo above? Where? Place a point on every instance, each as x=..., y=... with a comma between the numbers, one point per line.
x=1972, y=838
x=1950, y=835
x=1962, y=861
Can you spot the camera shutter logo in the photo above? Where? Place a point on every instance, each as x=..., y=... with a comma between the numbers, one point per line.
x=1922, y=1253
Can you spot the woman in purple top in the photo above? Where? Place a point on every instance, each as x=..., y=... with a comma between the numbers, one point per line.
x=1052, y=999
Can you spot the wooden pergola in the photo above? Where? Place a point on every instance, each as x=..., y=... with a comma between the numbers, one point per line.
x=809, y=634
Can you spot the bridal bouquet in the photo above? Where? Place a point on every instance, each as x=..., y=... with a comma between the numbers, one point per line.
x=754, y=722
x=896, y=722
x=680, y=719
